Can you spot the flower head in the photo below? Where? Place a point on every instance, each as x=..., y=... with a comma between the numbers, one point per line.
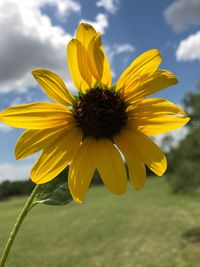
x=94, y=129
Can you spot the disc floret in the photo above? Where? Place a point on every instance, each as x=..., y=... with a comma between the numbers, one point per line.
x=101, y=113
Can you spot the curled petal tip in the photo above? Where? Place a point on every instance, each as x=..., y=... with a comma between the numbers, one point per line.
x=35, y=71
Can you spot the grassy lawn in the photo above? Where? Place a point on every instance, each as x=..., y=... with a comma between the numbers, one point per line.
x=149, y=228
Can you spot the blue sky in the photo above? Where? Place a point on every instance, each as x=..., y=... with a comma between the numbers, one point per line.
x=35, y=33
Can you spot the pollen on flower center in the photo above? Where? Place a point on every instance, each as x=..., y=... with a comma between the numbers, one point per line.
x=100, y=113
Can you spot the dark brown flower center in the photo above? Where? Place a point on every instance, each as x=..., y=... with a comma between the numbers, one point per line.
x=100, y=113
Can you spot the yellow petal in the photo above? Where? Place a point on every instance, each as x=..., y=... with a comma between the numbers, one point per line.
x=85, y=33
x=151, y=154
x=31, y=141
x=145, y=64
x=158, y=125
x=99, y=64
x=137, y=172
x=149, y=85
x=136, y=168
x=53, y=86
x=110, y=166
x=78, y=62
x=146, y=150
x=153, y=107
x=155, y=116
x=37, y=116
x=82, y=169
x=56, y=156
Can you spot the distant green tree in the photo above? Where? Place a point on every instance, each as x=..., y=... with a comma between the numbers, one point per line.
x=184, y=161
x=19, y=188
x=192, y=106
x=15, y=188
x=167, y=143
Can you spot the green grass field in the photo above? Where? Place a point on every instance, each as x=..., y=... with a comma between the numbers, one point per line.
x=149, y=228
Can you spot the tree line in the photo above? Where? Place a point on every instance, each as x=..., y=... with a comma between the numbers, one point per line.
x=21, y=188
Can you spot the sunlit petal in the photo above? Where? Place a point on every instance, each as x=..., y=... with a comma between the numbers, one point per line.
x=56, y=156
x=32, y=141
x=146, y=86
x=156, y=115
x=78, y=62
x=110, y=166
x=144, y=65
x=53, y=86
x=154, y=107
x=82, y=169
x=85, y=33
x=37, y=116
x=146, y=150
x=136, y=168
x=159, y=125
x=99, y=64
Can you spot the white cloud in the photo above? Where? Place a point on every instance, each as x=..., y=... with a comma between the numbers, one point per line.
x=118, y=49
x=189, y=48
x=63, y=7
x=18, y=100
x=176, y=136
x=110, y=5
x=15, y=171
x=29, y=40
x=4, y=128
x=100, y=24
x=183, y=13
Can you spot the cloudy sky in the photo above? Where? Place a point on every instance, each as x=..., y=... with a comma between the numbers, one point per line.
x=35, y=33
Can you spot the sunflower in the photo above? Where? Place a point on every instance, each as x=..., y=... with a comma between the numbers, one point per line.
x=102, y=126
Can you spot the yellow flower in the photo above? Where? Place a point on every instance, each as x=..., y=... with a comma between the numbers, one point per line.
x=88, y=131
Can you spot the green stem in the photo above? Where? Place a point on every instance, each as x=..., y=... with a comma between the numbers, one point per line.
x=19, y=221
